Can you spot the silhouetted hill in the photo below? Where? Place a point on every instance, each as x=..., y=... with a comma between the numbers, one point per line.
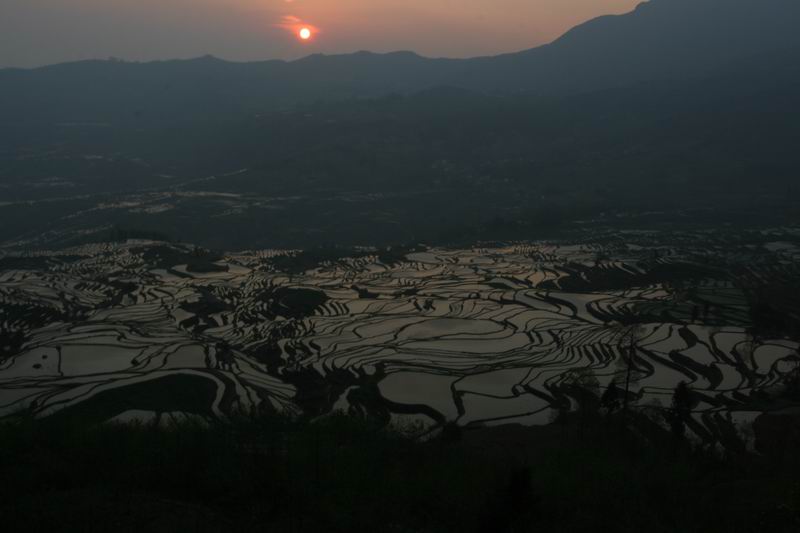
x=203, y=87
x=660, y=40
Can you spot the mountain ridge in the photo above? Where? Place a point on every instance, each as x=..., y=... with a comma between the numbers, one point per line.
x=659, y=40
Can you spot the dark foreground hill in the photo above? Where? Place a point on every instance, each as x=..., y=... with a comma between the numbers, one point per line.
x=340, y=474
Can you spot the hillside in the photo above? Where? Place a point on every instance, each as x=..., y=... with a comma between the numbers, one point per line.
x=707, y=151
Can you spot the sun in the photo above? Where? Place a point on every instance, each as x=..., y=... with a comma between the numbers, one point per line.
x=305, y=34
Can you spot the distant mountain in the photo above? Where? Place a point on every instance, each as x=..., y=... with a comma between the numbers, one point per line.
x=205, y=87
x=659, y=40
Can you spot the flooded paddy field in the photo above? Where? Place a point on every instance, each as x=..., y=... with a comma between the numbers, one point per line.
x=507, y=333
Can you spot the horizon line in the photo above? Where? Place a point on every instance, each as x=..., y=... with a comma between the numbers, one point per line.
x=318, y=54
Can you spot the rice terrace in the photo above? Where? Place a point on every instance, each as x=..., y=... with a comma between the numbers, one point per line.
x=503, y=333
x=400, y=267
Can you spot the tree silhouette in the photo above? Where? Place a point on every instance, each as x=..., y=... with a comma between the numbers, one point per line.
x=610, y=399
x=681, y=409
x=627, y=338
x=583, y=382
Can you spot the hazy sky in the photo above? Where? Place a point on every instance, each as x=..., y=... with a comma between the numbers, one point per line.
x=37, y=32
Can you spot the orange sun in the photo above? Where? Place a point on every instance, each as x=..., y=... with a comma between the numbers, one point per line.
x=305, y=34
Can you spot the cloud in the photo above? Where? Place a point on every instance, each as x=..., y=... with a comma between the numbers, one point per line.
x=294, y=24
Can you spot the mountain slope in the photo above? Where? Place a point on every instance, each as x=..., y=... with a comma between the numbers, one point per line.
x=660, y=39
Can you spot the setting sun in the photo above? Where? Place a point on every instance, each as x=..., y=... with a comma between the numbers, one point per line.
x=305, y=34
